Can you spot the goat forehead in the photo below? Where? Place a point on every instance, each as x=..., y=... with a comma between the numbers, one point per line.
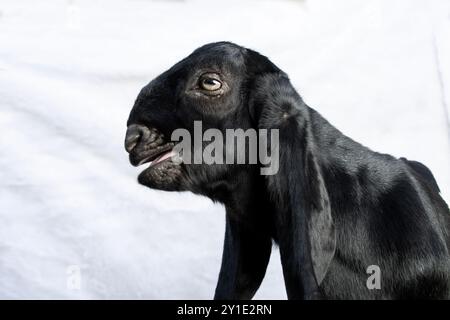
x=221, y=53
x=221, y=56
x=221, y=47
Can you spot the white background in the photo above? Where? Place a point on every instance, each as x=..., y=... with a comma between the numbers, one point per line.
x=70, y=71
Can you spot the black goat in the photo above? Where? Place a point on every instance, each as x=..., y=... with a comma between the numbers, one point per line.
x=334, y=207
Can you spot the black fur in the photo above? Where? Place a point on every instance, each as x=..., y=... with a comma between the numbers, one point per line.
x=334, y=208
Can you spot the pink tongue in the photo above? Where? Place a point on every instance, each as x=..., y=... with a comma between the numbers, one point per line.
x=163, y=157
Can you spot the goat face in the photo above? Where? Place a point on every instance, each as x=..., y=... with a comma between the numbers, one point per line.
x=211, y=85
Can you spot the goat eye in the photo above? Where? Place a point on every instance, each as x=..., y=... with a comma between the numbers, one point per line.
x=210, y=83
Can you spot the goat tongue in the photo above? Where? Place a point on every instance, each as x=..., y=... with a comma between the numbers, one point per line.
x=163, y=157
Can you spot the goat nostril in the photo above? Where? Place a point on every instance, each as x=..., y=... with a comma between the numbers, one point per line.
x=132, y=137
x=131, y=142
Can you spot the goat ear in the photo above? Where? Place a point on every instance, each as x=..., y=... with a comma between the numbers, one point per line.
x=257, y=64
x=304, y=222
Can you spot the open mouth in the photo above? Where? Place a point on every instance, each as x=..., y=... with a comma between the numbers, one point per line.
x=148, y=145
x=154, y=156
x=154, y=160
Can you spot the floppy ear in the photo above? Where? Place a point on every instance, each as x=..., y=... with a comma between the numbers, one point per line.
x=304, y=224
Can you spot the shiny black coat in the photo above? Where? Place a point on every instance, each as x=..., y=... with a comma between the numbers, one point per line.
x=334, y=208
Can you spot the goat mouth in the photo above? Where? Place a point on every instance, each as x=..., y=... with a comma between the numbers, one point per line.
x=159, y=158
x=153, y=156
x=164, y=172
x=150, y=153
